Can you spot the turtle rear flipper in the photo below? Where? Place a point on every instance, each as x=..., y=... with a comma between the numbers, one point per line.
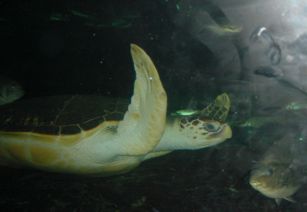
x=147, y=111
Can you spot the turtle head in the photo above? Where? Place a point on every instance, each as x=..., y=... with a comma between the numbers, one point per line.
x=203, y=129
x=198, y=132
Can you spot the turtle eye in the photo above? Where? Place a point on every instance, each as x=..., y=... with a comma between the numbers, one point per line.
x=211, y=127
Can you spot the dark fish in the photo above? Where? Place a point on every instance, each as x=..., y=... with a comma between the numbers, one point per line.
x=267, y=71
x=282, y=170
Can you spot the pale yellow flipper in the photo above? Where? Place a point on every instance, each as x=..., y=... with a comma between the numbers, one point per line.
x=146, y=115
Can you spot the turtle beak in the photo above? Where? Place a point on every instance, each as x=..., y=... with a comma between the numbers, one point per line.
x=227, y=132
x=223, y=134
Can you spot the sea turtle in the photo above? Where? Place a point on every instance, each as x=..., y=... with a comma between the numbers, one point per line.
x=94, y=135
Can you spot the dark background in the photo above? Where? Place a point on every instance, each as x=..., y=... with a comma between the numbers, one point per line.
x=71, y=56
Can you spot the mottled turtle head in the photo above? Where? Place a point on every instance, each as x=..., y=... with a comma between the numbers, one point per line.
x=198, y=132
x=209, y=127
x=202, y=129
x=274, y=180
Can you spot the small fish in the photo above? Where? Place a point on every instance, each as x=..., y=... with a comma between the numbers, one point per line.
x=259, y=121
x=10, y=90
x=58, y=17
x=190, y=109
x=81, y=14
x=185, y=112
x=282, y=169
x=296, y=106
x=225, y=30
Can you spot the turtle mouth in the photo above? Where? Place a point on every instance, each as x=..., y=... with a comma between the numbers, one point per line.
x=218, y=137
x=225, y=132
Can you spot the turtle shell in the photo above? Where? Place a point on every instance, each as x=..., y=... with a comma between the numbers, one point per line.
x=60, y=115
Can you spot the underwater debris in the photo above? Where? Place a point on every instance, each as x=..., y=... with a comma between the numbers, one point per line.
x=10, y=90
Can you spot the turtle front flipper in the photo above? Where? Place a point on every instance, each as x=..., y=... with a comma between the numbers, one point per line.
x=144, y=121
x=219, y=109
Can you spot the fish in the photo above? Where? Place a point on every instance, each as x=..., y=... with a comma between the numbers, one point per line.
x=260, y=121
x=82, y=14
x=282, y=170
x=10, y=90
x=185, y=112
x=268, y=71
x=59, y=17
x=92, y=20
x=224, y=30
x=190, y=110
x=292, y=106
x=261, y=34
x=277, y=115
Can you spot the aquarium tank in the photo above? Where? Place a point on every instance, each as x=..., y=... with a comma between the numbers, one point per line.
x=165, y=105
